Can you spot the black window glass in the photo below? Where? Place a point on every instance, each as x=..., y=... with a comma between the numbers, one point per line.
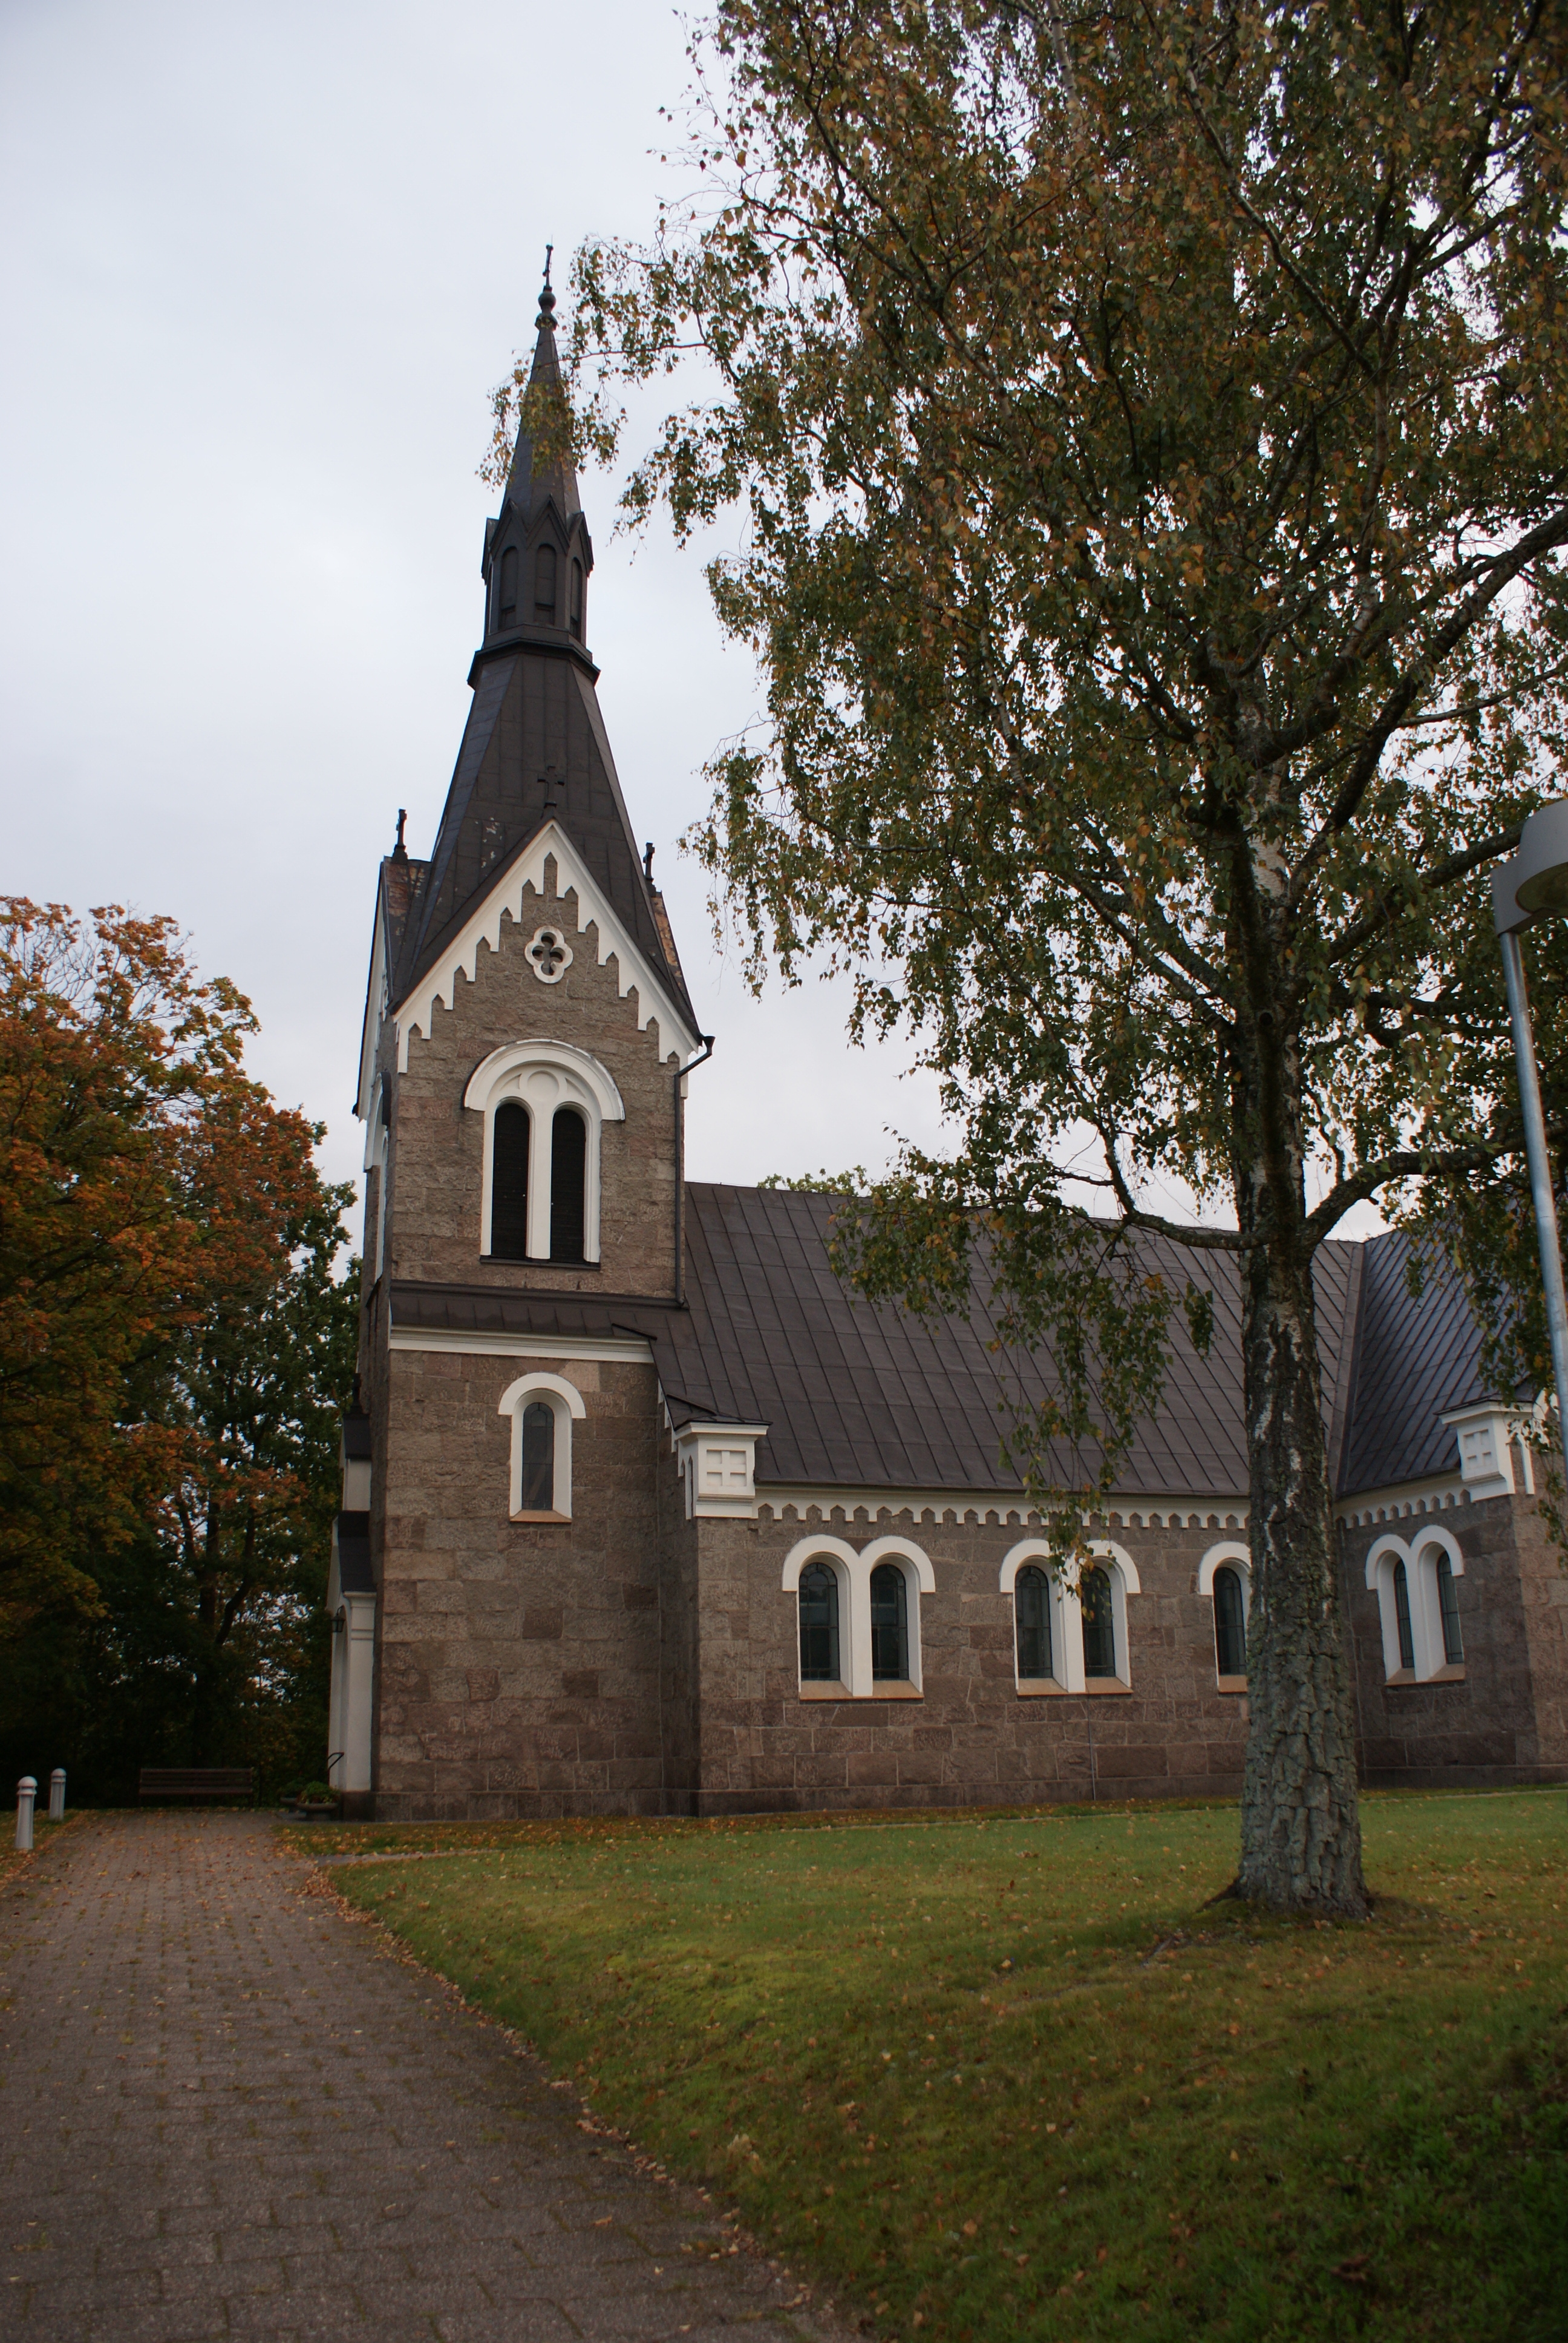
x=1099, y=1622
x=577, y=601
x=569, y=1165
x=510, y=1184
x=544, y=585
x=1448, y=1602
x=1402, y=1616
x=538, y=1458
x=1031, y=1615
x=1230, y=1622
x=889, y=1624
x=508, y=591
x=819, y=1624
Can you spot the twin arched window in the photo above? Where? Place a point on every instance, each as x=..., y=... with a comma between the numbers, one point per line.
x=1417, y=1591
x=1448, y=1607
x=1031, y=1623
x=890, y=1625
x=1099, y=1610
x=510, y=1145
x=820, y=1624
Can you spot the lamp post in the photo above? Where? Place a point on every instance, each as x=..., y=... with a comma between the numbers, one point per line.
x=1532, y=886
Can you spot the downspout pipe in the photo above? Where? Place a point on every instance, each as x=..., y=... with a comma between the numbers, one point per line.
x=702, y=1058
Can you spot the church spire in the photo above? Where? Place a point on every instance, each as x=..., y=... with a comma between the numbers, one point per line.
x=527, y=488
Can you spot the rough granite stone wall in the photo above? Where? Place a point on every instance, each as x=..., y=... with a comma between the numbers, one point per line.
x=519, y=1663
x=1504, y=1721
x=432, y=1226
x=971, y=1737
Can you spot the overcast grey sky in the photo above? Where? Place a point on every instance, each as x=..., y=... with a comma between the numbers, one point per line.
x=262, y=265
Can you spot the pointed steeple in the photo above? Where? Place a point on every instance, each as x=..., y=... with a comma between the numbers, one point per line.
x=526, y=487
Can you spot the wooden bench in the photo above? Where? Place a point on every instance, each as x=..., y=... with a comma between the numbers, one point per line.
x=197, y=1780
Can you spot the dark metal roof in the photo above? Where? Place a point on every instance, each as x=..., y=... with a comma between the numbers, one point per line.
x=1418, y=1357
x=504, y=1310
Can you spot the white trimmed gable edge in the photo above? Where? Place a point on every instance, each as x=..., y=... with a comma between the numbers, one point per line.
x=415, y=1012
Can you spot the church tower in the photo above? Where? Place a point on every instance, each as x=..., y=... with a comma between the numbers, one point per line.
x=495, y=1584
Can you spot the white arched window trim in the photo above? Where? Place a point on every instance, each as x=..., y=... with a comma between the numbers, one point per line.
x=541, y=1076
x=854, y=1575
x=1067, y=1612
x=1228, y=1555
x=566, y=1403
x=1420, y=1558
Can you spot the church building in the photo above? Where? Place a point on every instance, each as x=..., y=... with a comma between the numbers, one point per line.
x=643, y=1512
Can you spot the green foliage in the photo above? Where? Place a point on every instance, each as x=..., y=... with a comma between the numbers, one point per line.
x=1151, y=429
x=1017, y=2075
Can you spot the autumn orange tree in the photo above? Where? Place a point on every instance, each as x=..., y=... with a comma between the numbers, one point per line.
x=172, y=1340
x=1150, y=421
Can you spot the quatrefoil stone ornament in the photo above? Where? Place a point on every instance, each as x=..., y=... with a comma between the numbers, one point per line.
x=550, y=954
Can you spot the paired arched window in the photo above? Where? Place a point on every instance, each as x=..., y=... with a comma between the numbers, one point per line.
x=568, y=1171
x=820, y=1624
x=545, y=586
x=1229, y=1621
x=545, y=1105
x=890, y=1625
x=506, y=593
x=1031, y=1623
x=1098, y=1611
x=1417, y=1590
x=576, y=604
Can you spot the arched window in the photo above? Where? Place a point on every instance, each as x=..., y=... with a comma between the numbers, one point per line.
x=539, y=1491
x=820, y=1624
x=569, y=1163
x=576, y=605
x=545, y=586
x=508, y=587
x=1229, y=1621
x=1099, y=1622
x=889, y=1624
x=1031, y=1622
x=510, y=1184
x=1402, y=1615
x=1448, y=1604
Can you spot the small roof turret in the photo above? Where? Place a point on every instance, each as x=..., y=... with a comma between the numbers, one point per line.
x=528, y=488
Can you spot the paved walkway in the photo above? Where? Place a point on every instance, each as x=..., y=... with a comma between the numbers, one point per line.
x=223, y=2113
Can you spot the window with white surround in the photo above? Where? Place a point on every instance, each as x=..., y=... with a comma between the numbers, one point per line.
x=860, y=1612
x=542, y=1408
x=1225, y=1577
x=545, y=1105
x=1086, y=1639
x=1419, y=1605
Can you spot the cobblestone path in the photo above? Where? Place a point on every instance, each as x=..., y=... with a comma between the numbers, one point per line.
x=222, y=2114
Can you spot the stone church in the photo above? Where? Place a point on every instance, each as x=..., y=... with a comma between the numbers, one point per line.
x=644, y=1513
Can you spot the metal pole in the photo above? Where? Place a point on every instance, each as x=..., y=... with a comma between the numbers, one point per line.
x=27, y=1791
x=57, y=1794
x=1540, y=1163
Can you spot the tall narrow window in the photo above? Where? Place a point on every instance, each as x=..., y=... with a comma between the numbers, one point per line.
x=509, y=586
x=1099, y=1622
x=1448, y=1604
x=1032, y=1616
x=889, y=1624
x=576, y=605
x=819, y=1624
x=545, y=586
x=538, y=1458
x=1402, y=1616
x=1230, y=1623
x=510, y=1184
x=569, y=1165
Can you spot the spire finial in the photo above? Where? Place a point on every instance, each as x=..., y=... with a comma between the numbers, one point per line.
x=400, y=852
x=545, y=323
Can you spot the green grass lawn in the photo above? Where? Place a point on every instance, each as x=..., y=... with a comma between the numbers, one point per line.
x=1015, y=2074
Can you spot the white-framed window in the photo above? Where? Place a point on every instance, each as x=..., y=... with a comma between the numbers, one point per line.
x=1419, y=1605
x=543, y=1408
x=859, y=1614
x=1084, y=1604
x=1225, y=1578
x=545, y=1105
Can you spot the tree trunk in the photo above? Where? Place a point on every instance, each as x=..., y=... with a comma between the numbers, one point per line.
x=1300, y=1830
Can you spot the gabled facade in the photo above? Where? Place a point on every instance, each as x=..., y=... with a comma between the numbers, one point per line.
x=643, y=1513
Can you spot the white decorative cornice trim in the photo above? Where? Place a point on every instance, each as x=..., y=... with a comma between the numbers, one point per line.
x=1402, y=1502
x=630, y=1348
x=416, y=1013
x=996, y=1508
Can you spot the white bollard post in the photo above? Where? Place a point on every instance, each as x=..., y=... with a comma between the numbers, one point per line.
x=27, y=1791
x=57, y=1794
